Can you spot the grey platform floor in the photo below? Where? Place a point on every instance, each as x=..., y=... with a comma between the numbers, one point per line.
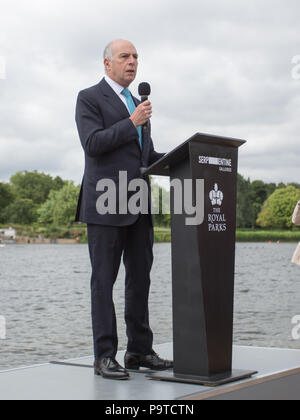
x=278, y=378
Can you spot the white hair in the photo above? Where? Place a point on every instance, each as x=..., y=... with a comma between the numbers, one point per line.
x=108, y=52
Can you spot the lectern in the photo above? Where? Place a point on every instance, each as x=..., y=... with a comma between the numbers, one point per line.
x=203, y=259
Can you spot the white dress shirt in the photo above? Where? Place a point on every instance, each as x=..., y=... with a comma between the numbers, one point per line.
x=117, y=89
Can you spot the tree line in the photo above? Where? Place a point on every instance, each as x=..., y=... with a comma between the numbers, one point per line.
x=266, y=205
x=34, y=197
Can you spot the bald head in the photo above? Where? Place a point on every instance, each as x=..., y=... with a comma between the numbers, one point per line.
x=121, y=61
x=109, y=49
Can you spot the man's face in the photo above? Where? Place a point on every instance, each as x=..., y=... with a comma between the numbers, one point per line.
x=123, y=67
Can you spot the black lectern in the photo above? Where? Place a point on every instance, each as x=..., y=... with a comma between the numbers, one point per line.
x=203, y=259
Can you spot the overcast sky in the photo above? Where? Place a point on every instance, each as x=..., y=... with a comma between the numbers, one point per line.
x=215, y=66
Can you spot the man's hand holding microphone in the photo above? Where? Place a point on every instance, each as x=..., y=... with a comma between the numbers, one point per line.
x=143, y=112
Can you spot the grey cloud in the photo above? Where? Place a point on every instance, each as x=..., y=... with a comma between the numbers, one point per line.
x=222, y=67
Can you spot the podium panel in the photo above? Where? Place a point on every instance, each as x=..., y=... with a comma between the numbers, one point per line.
x=203, y=267
x=203, y=259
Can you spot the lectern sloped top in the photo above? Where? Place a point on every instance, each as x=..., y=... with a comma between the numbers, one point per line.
x=180, y=153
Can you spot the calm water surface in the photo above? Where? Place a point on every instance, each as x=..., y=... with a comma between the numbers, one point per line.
x=45, y=298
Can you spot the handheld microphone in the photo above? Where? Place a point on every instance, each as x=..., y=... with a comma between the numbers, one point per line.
x=144, y=92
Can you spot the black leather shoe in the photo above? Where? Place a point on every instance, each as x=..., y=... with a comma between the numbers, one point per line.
x=152, y=361
x=109, y=368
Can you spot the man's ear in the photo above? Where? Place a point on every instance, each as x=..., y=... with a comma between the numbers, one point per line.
x=107, y=64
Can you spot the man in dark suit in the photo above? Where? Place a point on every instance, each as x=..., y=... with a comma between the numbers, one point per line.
x=109, y=122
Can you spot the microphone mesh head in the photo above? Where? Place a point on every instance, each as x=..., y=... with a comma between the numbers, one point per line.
x=144, y=89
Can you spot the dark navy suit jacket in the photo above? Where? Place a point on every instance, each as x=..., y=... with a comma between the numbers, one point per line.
x=111, y=144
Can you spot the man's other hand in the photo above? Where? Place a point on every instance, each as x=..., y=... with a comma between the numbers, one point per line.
x=142, y=114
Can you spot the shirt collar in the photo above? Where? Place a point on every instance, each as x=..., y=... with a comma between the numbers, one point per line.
x=114, y=85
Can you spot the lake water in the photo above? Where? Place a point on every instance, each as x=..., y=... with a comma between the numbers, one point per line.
x=45, y=299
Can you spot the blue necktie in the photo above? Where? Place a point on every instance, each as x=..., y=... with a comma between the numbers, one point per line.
x=132, y=107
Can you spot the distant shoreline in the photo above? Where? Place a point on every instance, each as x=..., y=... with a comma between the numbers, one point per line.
x=164, y=235
x=66, y=236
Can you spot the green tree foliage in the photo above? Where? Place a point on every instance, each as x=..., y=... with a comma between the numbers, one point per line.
x=60, y=208
x=244, y=204
x=278, y=208
x=21, y=198
x=259, y=192
x=250, y=199
x=6, y=198
x=34, y=186
x=22, y=211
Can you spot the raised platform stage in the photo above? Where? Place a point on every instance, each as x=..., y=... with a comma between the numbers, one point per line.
x=278, y=378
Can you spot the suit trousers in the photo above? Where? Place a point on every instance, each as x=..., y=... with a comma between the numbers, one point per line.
x=107, y=244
